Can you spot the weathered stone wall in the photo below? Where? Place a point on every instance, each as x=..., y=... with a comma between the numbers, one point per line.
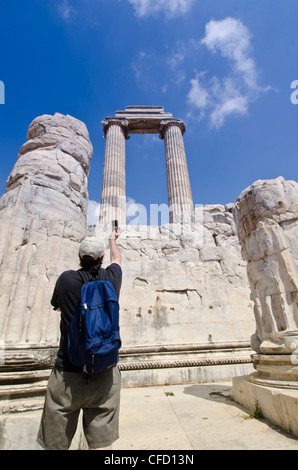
x=185, y=284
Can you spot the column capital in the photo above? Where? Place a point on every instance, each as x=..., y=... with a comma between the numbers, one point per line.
x=165, y=123
x=123, y=123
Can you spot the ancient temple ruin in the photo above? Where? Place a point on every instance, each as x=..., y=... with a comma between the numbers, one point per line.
x=144, y=120
x=193, y=294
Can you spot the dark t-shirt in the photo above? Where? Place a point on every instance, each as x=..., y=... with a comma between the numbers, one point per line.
x=66, y=296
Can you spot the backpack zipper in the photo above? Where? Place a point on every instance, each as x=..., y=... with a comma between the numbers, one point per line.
x=85, y=307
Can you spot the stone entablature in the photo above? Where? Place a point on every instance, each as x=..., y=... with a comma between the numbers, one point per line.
x=143, y=119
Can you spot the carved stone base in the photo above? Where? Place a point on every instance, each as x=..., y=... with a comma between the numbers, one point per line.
x=279, y=405
x=286, y=343
x=276, y=370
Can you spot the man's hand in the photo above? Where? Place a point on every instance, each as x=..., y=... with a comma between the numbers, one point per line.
x=116, y=233
x=114, y=250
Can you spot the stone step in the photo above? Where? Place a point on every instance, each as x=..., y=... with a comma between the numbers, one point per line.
x=24, y=376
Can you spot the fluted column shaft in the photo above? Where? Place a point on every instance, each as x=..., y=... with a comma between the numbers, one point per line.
x=113, y=195
x=179, y=190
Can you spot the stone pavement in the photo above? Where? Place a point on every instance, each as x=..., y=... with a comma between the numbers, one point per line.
x=193, y=417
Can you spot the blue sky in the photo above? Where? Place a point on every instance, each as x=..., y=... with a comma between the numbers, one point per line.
x=223, y=66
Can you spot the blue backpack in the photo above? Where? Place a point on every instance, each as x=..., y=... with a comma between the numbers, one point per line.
x=93, y=332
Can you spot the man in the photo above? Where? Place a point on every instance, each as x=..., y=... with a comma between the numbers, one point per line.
x=67, y=392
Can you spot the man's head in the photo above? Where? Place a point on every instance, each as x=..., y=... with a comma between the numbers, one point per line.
x=91, y=253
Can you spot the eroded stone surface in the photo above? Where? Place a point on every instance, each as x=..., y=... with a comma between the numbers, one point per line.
x=184, y=284
x=43, y=219
x=266, y=216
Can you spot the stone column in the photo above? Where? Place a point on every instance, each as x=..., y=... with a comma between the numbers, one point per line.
x=42, y=220
x=113, y=194
x=179, y=190
x=266, y=216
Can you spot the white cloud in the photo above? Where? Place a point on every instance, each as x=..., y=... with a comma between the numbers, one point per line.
x=66, y=10
x=174, y=61
x=171, y=8
x=198, y=96
x=229, y=105
x=130, y=201
x=232, y=94
x=232, y=38
x=139, y=63
x=149, y=72
x=93, y=212
x=155, y=71
x=136, y=214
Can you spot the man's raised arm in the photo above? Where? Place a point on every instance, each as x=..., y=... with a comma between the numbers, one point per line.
x=114, y=250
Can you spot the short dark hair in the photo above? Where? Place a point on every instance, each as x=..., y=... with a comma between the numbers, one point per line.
x=87, y=262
